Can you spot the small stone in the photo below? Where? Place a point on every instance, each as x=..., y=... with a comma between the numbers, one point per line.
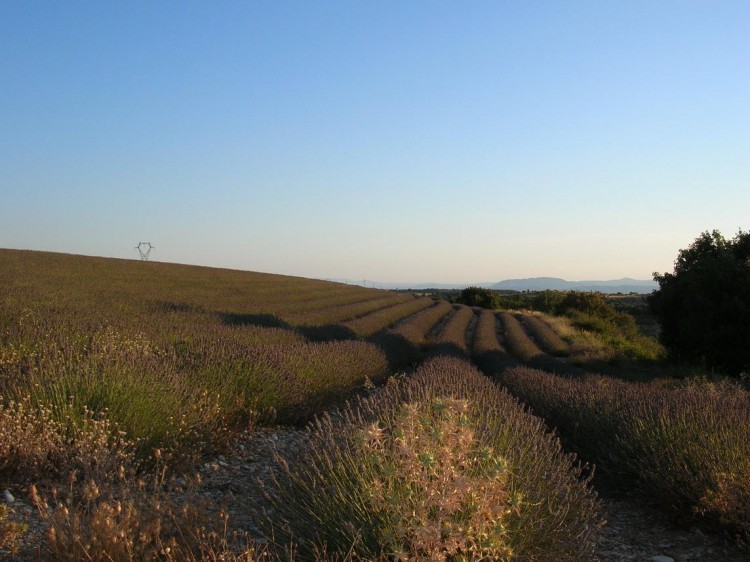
x=661, y=558
x=8, y=497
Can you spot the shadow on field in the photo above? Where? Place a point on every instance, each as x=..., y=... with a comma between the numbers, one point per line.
x=445, y=350
x=167, y=306
x=329, y=332
x=263, y=320
x=400, y=352
x=494, y=362
x=553, y=365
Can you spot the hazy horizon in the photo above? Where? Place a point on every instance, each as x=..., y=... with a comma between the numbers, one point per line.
x=402, y=142
x=376, y=283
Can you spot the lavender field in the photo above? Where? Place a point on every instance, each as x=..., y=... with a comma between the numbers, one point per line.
x=119, y=379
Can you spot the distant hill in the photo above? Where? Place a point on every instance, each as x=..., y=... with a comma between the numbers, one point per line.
x=414, y=286
x=625, y=285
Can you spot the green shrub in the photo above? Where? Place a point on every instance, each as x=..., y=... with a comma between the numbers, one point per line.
x=477, y=296
x=439, y=490
x=620, y=334
x=704, y=306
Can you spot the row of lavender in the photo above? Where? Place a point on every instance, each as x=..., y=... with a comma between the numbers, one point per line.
x=107, y=367
x=178, y=357
x=686, y=443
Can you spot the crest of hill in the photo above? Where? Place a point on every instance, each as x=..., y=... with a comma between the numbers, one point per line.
x=625, y=285
x=65, y=280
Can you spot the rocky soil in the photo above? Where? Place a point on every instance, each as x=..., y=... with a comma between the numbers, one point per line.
x=635, y=530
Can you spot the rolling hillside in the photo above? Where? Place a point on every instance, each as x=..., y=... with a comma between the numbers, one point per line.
x=115, y=369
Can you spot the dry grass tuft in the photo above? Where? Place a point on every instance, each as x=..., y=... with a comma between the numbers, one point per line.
x=34, y=445
x=135, y=518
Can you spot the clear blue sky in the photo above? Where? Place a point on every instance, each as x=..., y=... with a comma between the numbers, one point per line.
x=389, y=140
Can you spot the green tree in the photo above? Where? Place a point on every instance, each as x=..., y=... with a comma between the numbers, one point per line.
x=704, y=306
x=476, y=296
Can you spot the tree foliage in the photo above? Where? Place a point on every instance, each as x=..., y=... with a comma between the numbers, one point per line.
x=477, y=296
x=704, y=306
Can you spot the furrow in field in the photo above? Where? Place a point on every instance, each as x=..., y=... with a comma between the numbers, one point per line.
x=451, y=339
x=544, y=336
x=342, y=313
x=382, y=318
x=415, y=328
x=516, y=340
x=301, y=306
x=486, y=350
x=523, y=348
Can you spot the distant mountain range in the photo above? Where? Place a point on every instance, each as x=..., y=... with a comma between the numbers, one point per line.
x=625, y=285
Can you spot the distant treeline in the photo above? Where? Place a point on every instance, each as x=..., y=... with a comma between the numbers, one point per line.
x=548, y=301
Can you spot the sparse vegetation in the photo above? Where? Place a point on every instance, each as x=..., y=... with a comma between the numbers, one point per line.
x=10, y=532
x=136, y=517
